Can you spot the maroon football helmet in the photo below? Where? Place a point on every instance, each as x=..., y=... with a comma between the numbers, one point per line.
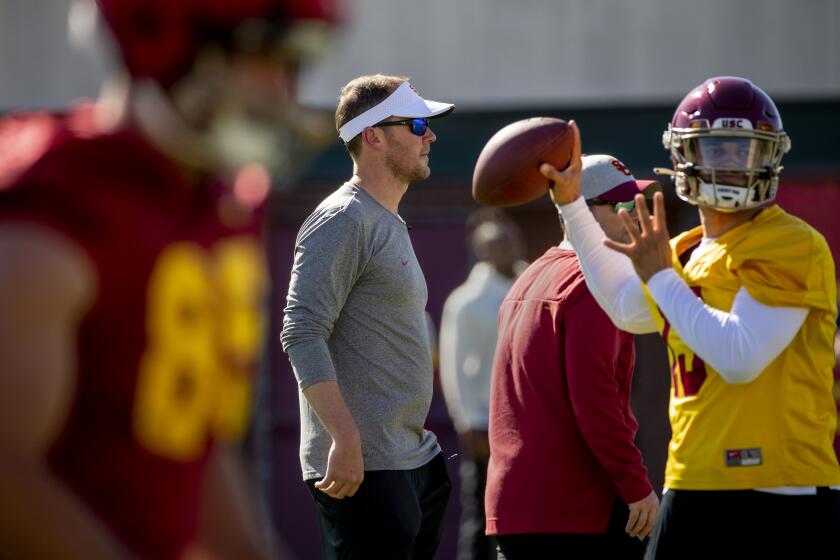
x=160, y=39
x=727, y=143
x=217, y=112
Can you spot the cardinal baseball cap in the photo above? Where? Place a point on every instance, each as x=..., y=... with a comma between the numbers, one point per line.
x=606, y=178
x=404, y=102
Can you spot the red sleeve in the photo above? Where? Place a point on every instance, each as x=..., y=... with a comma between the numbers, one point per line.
x=594, y=370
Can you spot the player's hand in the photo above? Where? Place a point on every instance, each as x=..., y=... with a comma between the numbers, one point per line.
x=565, y=185
x=649, y=248
x=345, y=469
x=642, y=516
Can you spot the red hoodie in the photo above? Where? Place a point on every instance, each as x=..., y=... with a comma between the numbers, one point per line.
x=561, y=429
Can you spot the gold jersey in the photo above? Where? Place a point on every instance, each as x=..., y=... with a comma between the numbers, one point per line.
x=778, y=429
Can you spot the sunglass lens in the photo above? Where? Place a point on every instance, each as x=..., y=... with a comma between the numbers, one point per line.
x=629, y=206
x=419, y=126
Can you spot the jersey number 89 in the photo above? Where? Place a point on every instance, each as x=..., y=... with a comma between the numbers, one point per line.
x=204, y=329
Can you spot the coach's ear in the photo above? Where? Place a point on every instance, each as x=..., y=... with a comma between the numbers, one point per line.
x=372, y=136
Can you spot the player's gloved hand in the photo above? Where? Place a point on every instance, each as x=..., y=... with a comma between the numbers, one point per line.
x=642, y=516
x=565, y=185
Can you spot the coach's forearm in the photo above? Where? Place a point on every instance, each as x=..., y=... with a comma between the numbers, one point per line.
x=328, y=403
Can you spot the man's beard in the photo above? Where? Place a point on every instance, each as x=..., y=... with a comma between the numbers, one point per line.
x=406, y=175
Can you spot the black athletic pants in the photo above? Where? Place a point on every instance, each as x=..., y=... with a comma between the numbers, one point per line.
x=473, y=544
x=741, y=524
x=395, y=515
x=615, y=543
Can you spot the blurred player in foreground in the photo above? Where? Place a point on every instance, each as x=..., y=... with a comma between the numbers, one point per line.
x=131, y=284
x=746, y=304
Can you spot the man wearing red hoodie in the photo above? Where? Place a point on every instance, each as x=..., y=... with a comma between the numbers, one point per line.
x=565, y=477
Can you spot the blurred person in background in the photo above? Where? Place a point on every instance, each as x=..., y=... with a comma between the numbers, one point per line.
x=132, y=278
x=746, y=303
x=468, y=334
x=356, y=334
x=566, y=479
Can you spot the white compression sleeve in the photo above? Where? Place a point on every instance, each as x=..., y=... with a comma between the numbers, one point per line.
x=739, y=344
x=609, y=275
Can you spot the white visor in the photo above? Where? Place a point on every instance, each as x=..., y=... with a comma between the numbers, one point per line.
x=404, y=102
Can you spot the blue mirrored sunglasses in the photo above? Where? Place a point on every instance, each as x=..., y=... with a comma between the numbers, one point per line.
x=417, y=126
x=630, y=205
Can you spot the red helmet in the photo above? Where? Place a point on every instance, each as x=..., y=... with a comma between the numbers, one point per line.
x=160, y=39
x=727, y=141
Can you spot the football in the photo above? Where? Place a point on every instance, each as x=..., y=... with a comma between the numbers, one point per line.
x=507, y=172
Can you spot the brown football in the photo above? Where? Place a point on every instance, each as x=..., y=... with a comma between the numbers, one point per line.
x=507, y=172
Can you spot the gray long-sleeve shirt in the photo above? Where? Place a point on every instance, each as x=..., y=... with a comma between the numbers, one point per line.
x=355, y=315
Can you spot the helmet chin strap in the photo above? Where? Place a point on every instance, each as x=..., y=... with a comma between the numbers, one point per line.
x=724, y=198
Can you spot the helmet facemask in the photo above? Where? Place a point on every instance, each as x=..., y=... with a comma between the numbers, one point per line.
x=724, y=168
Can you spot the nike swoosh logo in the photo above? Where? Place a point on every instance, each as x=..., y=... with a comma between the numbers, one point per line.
x=403, y=262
